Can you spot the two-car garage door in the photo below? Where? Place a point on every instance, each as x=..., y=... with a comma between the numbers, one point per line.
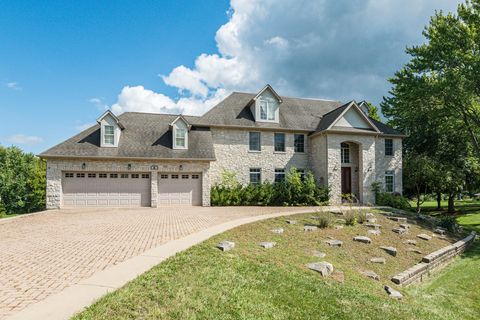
x=105, y=189
x=117, y=189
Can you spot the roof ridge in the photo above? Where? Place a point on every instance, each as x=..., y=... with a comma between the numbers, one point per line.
x=160, y=113
x=289, y=97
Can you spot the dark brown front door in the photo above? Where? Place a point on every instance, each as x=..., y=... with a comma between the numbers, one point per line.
x=346, y=180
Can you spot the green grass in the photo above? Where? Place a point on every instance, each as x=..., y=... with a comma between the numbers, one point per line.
x=254, y=283
x=4, y=215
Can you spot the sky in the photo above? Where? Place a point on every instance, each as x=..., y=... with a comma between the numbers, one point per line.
x=63, y=63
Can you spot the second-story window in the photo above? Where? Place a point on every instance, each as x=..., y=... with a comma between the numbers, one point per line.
x=180, y=135
x=109, y=135
x=388, y=147
x=267, y=109
x=345, y=153
x=254, y=141
x=299, y=142
x=279, y=142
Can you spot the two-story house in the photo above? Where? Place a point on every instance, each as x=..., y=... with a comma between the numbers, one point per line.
x=142, y=159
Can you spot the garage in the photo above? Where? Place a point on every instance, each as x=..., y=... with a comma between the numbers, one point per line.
x=180, y=189
x=106, y=189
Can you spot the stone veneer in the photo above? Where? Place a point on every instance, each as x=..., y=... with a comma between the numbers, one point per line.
x=55, y=168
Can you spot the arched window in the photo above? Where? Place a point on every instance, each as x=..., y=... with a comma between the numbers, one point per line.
x=345, y=152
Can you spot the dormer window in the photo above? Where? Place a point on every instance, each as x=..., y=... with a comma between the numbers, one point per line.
x=109, y=135
x=180, y=128
x=265, y=105
x=267, y=109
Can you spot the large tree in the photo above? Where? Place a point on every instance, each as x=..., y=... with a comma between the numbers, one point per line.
x=435, y=98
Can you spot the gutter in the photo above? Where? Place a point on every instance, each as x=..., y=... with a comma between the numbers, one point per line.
x=46, y=156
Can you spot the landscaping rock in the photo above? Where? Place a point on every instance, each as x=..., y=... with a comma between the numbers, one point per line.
x=373, y=225
x=324, y=268
x=371, y=220
x=278, y=230
x=375, y=232
x=309, y=228
x=393, y=293
x=390, y=250
x=291, y=221
x=369, y=215
x=362, y=239
x=341, y=221
x=412, y=242
x=424, y=236
x=371, y=274
x=318, y=254
x=334, y=243
x=267, y=245
x=378, y=260
x=440, y=231
x=399, y=230
x=405, y=226
x=398, y=219
x=414, y=250
x=338, y=227
x=226, y=245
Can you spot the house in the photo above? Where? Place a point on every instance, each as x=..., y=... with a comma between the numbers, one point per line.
x=142, y=159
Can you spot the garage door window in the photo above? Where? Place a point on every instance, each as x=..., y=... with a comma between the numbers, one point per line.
x=102, y=175
x=92, y=175
x=80, y=175
x=174, y=176
x=195, y=176
x=69, y=175
x=113, y=175
x=164, y=176
x=185, y=176
x=135, y=176
x=124, y=175
x=145, y=176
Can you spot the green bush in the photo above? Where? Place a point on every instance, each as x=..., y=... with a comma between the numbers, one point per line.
x=350, y=218
x=393, y=200
x=361, y=217
x=293, y=191
x=449, y=223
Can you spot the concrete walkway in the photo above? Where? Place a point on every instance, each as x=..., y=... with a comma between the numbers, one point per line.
x=76, y=296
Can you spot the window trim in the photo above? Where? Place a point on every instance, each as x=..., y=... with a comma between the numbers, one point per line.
x=279, y=134
x=253, y=171
x=295, y=145
x=259, y=141
x=345, y=147
x=279, y=172
x=109, y=135
x=392, y=152
x=389, y=173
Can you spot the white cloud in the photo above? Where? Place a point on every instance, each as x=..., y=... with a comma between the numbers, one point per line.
x=13, y=86
x=24, y=139
x=99, y=103
x=340, y=50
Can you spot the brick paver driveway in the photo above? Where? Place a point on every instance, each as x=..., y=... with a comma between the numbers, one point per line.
x=42, y=254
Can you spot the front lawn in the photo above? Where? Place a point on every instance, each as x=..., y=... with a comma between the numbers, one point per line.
x=250, y=282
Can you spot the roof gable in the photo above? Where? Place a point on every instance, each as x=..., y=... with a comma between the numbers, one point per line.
x=181, y=118
x=270, y=89
x=109, y=114
x=349, y=116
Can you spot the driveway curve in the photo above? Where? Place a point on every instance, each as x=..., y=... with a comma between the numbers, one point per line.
x=45, y=253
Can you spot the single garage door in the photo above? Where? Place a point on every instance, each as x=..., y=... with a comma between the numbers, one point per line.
x=106, y=189
x=180, y=189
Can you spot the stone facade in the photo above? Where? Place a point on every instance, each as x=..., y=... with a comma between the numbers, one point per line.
x=232, y=154
x=55, y=168
x=321, y=156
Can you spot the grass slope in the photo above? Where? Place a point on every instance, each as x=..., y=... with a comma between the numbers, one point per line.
x=254, y=283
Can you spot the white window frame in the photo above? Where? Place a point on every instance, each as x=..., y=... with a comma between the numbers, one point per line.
x=267, y=110
x=108, y=135
x=256, y=171
x=393, y=152
x=279, y=134
x=295, y=146
x=176, y=132
x=389, y=174
x=345, y=153
x=280, y=174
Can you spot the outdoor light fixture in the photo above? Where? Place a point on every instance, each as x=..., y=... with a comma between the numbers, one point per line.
x=154, y=167
x=129, y=166
x=84, y=165
x=335, y=168
x=369, y=168
x=180, y=167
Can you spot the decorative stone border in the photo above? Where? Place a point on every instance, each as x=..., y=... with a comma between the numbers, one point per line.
x=433, y=262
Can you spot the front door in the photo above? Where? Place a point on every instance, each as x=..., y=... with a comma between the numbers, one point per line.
x=346, y=180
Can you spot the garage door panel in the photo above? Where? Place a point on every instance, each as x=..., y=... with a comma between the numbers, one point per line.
x=181, y=191
x=103, y=192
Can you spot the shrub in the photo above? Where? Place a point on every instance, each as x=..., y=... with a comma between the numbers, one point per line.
x=393, y=200
x=325, y=220
x=361, y=217
x=293, y=191
x=449, y=223
x=350, y=218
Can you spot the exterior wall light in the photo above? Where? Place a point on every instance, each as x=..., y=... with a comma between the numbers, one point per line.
x=129, y=166
x=153, y=167
x=180, y=167
x=84, y=165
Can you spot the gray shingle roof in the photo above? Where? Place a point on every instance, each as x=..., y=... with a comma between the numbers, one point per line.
x=146, y=135
x=295, y=113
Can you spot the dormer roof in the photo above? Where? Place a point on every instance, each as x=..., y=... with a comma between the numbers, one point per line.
x=181, y=118
x=114, y=117
x=269, y=88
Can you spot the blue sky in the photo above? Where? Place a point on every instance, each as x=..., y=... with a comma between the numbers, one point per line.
x=62, y=63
